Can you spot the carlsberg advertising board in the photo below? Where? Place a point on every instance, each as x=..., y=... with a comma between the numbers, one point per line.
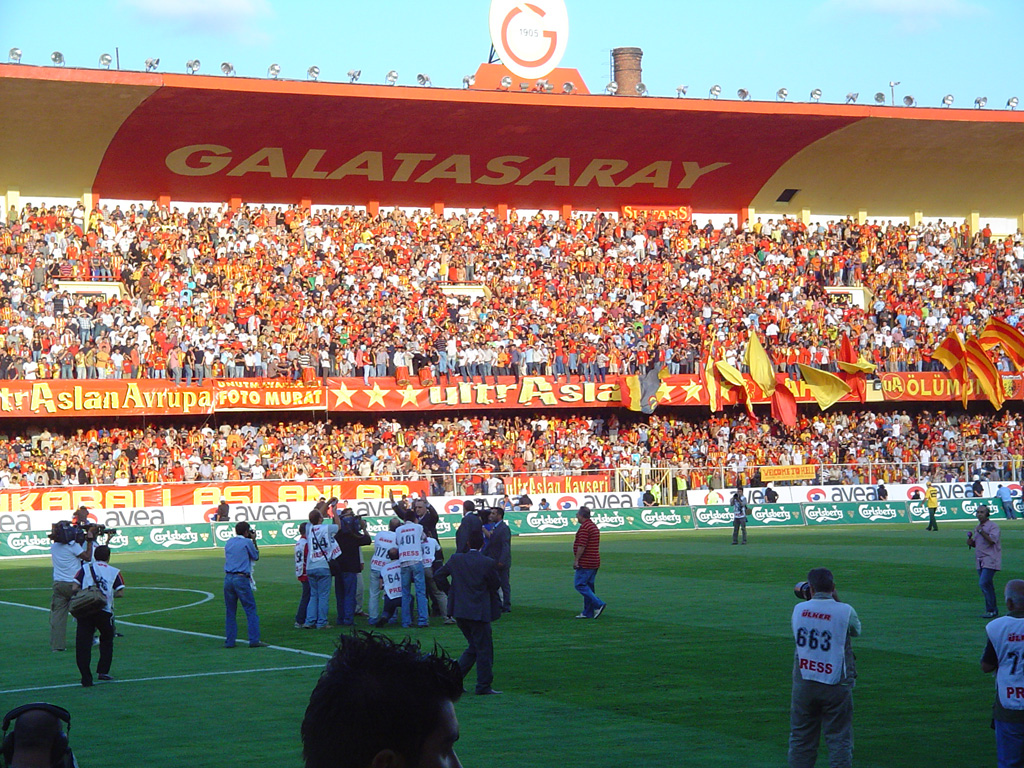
x=758, y=515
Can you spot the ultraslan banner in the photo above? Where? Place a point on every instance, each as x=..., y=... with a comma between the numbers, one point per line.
x=160, y=397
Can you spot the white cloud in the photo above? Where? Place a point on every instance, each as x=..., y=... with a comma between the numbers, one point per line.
x=240, y=18
x=909, y=15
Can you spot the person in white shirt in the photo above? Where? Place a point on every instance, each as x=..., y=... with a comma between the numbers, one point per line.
x=98, y=573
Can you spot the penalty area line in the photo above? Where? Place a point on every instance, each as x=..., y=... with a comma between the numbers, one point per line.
x=167, y=677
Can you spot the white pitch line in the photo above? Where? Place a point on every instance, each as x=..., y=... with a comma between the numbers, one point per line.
x=190, y=633
x=208, y=597
x=167, y=677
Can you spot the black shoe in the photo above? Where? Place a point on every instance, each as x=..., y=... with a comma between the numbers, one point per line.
x=260, y=644
x=105, y=678
x=86, y=683
x=990, y=615
x=488, y=692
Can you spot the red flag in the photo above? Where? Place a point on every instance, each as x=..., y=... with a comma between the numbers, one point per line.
x=783, y=402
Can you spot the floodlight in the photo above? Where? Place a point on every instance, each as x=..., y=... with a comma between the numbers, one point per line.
x=313, y=73
x=391, y=77
x=743, y=94
x=641, y=89
x=506, y=82
x=57, y=58
x=879, y=98
x=524, y=86
x=14, y=55
x=541, y=85
x=909, y=101
x=272, y=71
x=947, y=100
x=681, y=91
x=192, y=66
x=781, y=94
x=353, y=75
x=851, y=97
x=469, y=81
x=106, y=60
x=568, y=87
x=612, y=88
x=816, y=95
x=423, y=80
x=1012, y=102
x=152, y=64
x=893, y=83
x=715, y=92
x=980, y=102
x=227, y=68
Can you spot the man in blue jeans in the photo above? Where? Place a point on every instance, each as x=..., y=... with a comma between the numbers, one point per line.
x=988, y=553
x=240, y=552
x=1002, y=656
x=587, y=559
x=409, y=539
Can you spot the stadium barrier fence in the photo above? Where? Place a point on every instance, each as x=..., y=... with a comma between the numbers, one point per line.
x=164, y=538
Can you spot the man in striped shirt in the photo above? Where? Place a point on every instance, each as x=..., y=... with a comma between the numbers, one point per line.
x=587, y=559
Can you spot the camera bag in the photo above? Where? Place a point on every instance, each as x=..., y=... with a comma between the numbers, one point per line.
x=89, y=601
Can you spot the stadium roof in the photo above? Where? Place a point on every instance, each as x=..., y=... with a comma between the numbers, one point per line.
x=129, y=135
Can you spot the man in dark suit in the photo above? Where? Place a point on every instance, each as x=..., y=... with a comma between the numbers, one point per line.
x=499, y=549
x=474, y=604
x=470, y=522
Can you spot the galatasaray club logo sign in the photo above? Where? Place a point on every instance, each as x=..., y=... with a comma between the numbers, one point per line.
x=530, y=38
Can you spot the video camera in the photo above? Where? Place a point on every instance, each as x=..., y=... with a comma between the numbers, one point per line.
x=66, y=532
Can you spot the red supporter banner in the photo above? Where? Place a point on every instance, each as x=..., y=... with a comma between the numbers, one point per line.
x=267, y=395
x=939, y=387
x=69, y=498
x=102, y=397
x=51, y=398
x=537, y=484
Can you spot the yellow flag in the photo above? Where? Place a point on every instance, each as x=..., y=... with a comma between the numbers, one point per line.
x=729, y=373
x=861, y=366
x=761, y=369
x=826, y=388
x=711, y=384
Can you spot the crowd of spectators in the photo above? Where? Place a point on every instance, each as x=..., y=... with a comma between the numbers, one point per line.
x=471, y=454
x=278, y=291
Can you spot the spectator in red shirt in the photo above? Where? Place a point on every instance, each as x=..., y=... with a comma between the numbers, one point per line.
x=587, y=553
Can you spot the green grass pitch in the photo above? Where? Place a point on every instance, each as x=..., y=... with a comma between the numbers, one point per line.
x=689, y=666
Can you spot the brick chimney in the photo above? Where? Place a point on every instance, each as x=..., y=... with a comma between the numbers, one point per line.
x=627, y=71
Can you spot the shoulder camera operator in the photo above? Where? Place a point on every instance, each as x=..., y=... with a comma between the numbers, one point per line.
x=71, y=544
x=350, y=537
x=824, y=673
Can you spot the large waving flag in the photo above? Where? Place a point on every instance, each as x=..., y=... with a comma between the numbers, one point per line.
x=1001, y=333
x=640, y=393
x=761, y=369
x=734, y=378
x=783, y=402
x=709, y=378
x=854, y=369
x=990, y=380
x=951, y=353
x=826, y=388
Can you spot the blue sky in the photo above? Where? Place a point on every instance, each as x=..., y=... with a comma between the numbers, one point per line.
x=933, y=47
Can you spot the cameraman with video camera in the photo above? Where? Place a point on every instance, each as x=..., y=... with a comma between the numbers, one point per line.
x=71, y=545
x=824, y=673
x=351, y=536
